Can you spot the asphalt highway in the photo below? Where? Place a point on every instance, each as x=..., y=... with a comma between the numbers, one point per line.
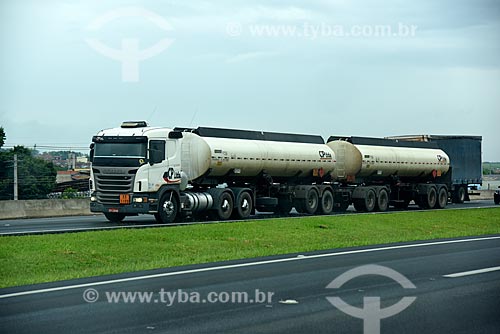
x=99, y=222
x=454, y=286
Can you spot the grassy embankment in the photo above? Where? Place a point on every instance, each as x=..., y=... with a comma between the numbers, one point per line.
x=45, y=258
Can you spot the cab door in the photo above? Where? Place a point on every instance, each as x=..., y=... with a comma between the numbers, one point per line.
x=165, y=166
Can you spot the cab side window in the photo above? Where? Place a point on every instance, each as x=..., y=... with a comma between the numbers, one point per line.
x=156, y=151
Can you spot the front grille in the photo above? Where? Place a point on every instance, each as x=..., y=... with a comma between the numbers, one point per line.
x=110, y=186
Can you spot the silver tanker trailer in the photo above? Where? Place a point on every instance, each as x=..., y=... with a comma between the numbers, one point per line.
x=465, y=156
x=223, y=173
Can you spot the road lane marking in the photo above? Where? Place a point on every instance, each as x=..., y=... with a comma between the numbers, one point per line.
x=472, y=272
x=241, y=265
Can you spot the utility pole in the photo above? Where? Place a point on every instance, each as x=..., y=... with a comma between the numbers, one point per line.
x=15, y=178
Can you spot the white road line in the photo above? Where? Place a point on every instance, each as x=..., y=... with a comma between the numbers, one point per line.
x=472, y=272
x=240, y=265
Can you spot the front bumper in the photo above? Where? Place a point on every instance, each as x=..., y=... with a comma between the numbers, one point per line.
x=133, y=208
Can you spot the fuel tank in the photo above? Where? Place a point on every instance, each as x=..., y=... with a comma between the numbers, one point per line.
x=373, y=161
x=217, y=157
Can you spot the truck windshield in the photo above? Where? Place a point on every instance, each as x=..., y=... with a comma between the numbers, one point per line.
x=120, y=150
x=120, y=154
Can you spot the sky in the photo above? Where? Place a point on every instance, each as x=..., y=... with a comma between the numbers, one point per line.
x=356, y=68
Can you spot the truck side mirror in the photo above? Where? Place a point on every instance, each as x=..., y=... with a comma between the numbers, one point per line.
x=91, y=154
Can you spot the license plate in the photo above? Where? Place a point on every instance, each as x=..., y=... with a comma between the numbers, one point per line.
x=112, y=210
x=124, y=199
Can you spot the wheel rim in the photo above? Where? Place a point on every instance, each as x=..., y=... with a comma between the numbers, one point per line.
x=225, y=206
x=168, y=208
x=168, y=211
x=245, y=205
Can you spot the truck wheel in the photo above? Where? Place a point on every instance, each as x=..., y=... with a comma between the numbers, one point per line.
x=382, y=201
x=168, y=209
x=225, y=207
x=442, y=198
x=244, y=205
x=326, y=203
x=366, y=204
x=459, y=195
x=114, y=217
x=311, y=201
x=428, y=200
x=370, y=200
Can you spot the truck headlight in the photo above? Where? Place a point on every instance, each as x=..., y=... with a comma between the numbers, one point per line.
x=140, y=199
x=93, y=199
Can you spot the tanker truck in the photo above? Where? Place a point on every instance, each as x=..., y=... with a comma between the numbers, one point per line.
x=203, y=172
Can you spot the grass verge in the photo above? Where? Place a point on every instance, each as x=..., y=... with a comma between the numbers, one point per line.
x=46, y=258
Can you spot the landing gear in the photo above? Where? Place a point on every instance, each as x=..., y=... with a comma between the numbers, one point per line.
x=402, y=205
x=285, y=205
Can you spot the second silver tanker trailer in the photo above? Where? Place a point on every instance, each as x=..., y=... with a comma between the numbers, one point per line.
x=223, y=173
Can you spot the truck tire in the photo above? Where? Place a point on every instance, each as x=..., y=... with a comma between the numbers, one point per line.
x=442, y=198
x=382, y=201
x=366, y=204
x=428, y=200
x=225, y=206
x=326, y=203
x=311, y=201
x=244, y=205
x=459, y=195
x=114, y=217
x=168, y=209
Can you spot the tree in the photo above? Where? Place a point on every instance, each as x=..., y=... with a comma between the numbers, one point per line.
x=36, y=178
x=2, y=137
